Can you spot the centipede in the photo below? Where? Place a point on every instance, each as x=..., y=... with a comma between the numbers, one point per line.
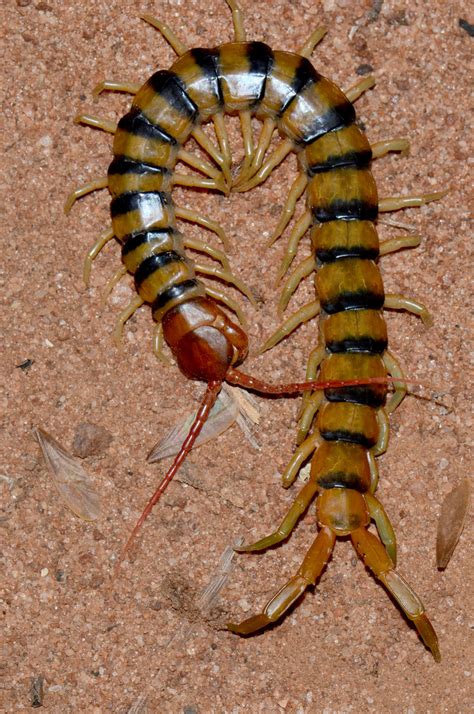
x=344, y=419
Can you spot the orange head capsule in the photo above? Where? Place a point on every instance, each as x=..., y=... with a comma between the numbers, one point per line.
x=203, y=339
x=343, y=510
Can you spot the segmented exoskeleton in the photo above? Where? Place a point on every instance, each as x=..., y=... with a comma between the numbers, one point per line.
x=317, y=120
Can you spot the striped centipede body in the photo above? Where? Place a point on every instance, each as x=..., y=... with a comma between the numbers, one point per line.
x=349, y=370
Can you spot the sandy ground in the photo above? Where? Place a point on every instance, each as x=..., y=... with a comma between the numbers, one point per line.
x=106, y=644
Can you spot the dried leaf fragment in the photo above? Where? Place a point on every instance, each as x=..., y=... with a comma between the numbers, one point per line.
x=451, y=522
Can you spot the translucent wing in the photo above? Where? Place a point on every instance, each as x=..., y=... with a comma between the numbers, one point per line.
x=232, y=405
x=70, y=478
x=451, y=522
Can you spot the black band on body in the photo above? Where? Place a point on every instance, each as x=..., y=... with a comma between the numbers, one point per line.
x=356, y=395
x=123, y=165
x=356, y=159
x=343, y=210
x=305, y=74
x=135, y=122
x=260, y=58
x=153, y=263
x=358, y=344
x=133, y=200
x=335, y=118
x=208, y=61
x=137, y=239
x=169, y=86
x=329, y=255
x=349, y=436
x=172, y=293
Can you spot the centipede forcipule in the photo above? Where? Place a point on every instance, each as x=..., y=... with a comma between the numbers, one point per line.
x=317, y=119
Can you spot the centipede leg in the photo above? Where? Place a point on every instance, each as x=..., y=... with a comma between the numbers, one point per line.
x=394, y=301
x=125, y=315
x=280, y=153
x=304, y=314
x=307, y=414
x=266, y=133
x=209, y=147
x=393, y=244
x=237, y=20
x=316, y=356
x=95, y=185
x=376, y=558
x=106, y=125
x=296, y=190
x=199, y=182
x=186, y=214
x=304, y=270
x=400, y=388
x=384, y=527
x=109, y=85
x=395, y=203
x=382, y=148
x=300, y=455
x=223, y=139
x=247, y=135
x=228, y=277
x=112, y=282
x=374, y=472
x=167, y=33
x=158, y=344
x=299, y=229
x=220, y=296
x=384, y=431
x=201, y=247
x=196, y=163
x=359, y=88
x=312, y=42
x=93, y=253
x=298, y=507
x=310, y=570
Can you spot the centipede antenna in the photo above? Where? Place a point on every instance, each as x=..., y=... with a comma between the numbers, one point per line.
x=208, y=401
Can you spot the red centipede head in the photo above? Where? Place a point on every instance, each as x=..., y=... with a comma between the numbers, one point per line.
x=203, y=339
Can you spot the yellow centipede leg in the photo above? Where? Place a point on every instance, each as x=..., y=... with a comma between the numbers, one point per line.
x=310, y=570
x=167, y=33
x=312, y=42
x=376, y=558
x=400, y=387
x=395, y=203
x=393, y=244
x=384, y=527
x=96, y=122
x=299, y=229
x=357, y=90
x=112, y=282
x=296, y=190
x=199, y=182
x=196, y=163
x=247, y=135
x=374, y=471
x=223, y=139
x=228, y=277
x=315, y=358
x=95, y=185
x=298, y=507
x=185, y=214
x=280, y=153
x=300, y=455
x=220, y=296
x=237, y=19
x=158, y=344
x=384, y=432
x=109, y=85
x=304, y=269
x=308, y=412
x=382, y=148
x=304, y=314
x=125, y=315
x=94, y=252
x=201, y=247
x=266, y=133
x=394, y=301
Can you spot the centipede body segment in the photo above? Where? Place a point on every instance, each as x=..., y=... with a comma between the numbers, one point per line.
x=348, y=424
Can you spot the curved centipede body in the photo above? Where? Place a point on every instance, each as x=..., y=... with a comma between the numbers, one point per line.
x=317, y=121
